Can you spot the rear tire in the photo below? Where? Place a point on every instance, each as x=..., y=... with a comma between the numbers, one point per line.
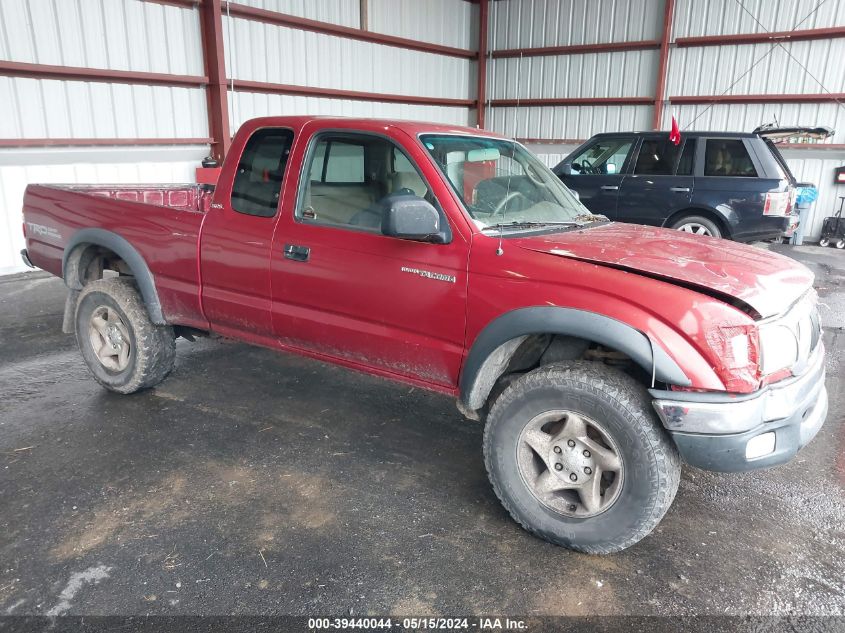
x=824, y=242
x=840, y=244
x=697, y=225
x=124, y=350
x=619, y=421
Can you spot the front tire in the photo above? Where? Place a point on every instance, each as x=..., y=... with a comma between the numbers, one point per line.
x=577, y=456
x=123, y=349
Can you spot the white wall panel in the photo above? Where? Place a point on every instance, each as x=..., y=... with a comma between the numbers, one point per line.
x=47, y=108
x=617, y=74
x=746, y=117
x=343, y=12
x=816, y=166
x=531, y=23
x=246, y=105
x=114, y=34
x=20, y=167
x=568, y=122
x=714, y=70
x=726, y=17
x=446, y=22
x=277, y=54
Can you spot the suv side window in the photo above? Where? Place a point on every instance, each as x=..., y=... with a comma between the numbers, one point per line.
x=657, y=157
x=605, y=156
x=349, y=174
x=261, y=169
x=727, y=157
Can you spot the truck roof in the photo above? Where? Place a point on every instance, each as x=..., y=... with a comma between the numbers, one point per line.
x=362, y=123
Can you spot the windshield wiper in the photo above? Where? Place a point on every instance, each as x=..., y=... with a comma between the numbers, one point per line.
x=586, y=218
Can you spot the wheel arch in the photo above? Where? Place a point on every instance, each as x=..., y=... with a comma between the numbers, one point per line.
x=721, y=220
x=493, y=349
x=86, y=246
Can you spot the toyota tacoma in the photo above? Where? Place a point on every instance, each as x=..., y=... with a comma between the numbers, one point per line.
x=599, y=355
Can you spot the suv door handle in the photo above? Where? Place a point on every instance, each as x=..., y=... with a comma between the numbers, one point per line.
x=610, y=187
x=297, y=253
x=679, y=189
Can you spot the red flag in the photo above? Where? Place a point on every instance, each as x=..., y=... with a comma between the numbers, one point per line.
x=675, y=134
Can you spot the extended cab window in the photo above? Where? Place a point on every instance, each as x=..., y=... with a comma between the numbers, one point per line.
x=350, y=174
x=603, y=157
x=728, y=157
x=657, y=157
x=258, y=179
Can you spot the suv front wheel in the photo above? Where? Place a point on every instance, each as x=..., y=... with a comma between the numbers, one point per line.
x=697, y=225
x=577, y=456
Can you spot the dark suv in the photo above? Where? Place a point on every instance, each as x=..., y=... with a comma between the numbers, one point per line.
x=724, y=184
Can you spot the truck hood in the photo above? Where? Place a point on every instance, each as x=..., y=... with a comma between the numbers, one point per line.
x=766, y=282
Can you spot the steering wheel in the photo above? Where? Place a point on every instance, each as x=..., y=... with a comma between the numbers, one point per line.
x=587, y=167
x=499, y=210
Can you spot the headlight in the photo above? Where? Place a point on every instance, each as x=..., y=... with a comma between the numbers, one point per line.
x=778, y=348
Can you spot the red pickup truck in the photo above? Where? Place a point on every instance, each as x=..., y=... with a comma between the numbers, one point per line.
x=600, y=355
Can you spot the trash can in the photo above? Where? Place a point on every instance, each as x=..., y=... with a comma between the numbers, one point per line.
x=806, y=196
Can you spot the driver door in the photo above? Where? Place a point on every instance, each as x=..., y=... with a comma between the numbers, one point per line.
x=343, y=290
x=596, y=172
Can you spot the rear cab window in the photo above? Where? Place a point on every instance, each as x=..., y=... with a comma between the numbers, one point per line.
x=261, y=170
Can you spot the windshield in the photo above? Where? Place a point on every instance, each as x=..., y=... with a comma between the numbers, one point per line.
x=502, y=184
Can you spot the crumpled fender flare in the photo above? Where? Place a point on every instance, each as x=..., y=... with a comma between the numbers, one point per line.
x=499, y=339
x=83, y=238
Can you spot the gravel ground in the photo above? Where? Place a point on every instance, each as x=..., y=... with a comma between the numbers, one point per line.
x=252, y=482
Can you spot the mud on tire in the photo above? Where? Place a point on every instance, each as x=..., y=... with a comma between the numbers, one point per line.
x=110, y=314
x=650, y=464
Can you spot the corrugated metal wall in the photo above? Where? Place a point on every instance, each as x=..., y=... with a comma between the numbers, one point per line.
x=710, y=70
x=107, y=34
x=276, y=54
x=144, y=36
x=133, y=35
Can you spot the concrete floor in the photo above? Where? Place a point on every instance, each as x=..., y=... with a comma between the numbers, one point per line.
x=255, y=482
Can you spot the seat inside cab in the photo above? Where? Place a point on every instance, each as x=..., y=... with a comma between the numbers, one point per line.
x=350, y=175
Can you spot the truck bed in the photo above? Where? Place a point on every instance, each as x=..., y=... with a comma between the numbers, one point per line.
x=161, y=222
x=187, y=197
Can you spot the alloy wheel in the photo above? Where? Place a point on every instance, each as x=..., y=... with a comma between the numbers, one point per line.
x=109, y=338
x=570, y=463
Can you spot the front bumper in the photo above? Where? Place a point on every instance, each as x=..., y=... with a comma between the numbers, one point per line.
x=713, y=431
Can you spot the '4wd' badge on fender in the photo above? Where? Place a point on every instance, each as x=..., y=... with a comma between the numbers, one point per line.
x=430, y=275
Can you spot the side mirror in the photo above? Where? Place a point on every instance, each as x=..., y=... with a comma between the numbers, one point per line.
x=409, y=217
x=565, y=169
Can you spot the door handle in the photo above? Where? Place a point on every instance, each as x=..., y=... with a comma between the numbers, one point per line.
x=679, y=189
x=610, y=187
x=297, y=253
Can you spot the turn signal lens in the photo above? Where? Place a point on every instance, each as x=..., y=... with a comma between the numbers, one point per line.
x=737, y=350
